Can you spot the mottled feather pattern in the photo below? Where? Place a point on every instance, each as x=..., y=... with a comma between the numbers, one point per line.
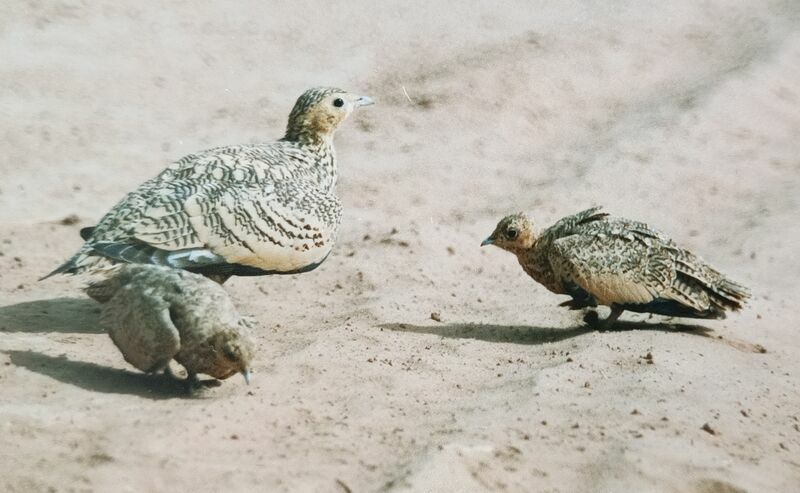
x=534, y=261
x=242, y=223
x=625, y=264
x=237, y=204
x=139, y=324
x=154, y=314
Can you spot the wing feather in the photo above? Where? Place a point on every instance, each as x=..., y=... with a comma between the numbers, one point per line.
x=283, y=227
x=140, y=326
x=611, y=267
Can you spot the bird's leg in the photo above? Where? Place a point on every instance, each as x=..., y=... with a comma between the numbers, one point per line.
x=169, y=373
x=193, y=384
x=593, y=319
x=219, y=278
x=171, y=376
x=612, y=317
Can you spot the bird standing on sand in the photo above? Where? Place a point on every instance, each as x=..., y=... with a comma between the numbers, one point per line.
x=154, y=314
x=243, y=210
x=599, y=259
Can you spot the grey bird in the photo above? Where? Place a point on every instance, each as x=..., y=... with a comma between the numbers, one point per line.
x=155, y=314
x=598, y=259
x=244, y=210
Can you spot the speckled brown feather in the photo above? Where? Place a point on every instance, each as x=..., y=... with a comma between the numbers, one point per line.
x=154, y=314
x=621, y=263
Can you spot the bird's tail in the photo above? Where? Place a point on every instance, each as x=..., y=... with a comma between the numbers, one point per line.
x=722, y=293
x=728, y=294
x=84, y=261
x=71, y=266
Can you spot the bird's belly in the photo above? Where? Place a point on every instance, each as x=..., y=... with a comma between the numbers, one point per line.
x=610, y=289
x=284, y=258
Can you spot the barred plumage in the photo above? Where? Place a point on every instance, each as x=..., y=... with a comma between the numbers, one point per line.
x=599, y=259
x=154, y=314
x=235, y=210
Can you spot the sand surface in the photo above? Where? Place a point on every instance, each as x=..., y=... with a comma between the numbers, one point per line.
x=682, y=114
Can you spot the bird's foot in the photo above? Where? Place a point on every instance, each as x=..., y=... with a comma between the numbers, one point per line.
x=196, y=387
x=592, y=319
x=571, y=304
x=578, y=304
x=219, y=278
x=168, y=373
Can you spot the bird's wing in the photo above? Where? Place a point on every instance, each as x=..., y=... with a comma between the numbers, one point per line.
x=281, y=227
x=140, y=325
x=572, y=224
x=615, y=264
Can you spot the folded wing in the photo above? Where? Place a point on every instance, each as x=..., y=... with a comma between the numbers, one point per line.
x=625, y=263
x=200, y=225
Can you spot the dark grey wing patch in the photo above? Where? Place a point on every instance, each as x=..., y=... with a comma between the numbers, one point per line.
x=141, y=253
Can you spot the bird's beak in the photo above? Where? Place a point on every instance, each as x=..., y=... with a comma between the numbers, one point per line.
x=246, y=375
x=363, y=101
x=487, y=241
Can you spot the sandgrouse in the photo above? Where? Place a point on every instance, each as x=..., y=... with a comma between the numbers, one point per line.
x=598, y=259
x=154, y=314
x=242, y=210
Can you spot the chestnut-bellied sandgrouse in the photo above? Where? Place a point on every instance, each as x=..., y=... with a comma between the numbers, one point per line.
x=598, y=259
x=242, y=210
x=155, y=314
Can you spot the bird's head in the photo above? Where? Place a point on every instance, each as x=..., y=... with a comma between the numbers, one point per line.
x=234, y=352
x=319, y=111
x=513, y=233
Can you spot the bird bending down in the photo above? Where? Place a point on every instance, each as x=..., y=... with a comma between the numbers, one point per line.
x=242, y=210
x=155, y=314
x=598, y=259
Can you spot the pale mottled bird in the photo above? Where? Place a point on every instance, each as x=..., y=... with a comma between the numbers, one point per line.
x=598, y=259
x=242, y=210
x=155, y=314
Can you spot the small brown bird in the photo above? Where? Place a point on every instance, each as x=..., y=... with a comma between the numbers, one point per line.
x=154, y=314
x=598, y=259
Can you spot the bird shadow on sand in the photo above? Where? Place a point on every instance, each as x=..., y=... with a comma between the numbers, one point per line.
x=525, y=334
x=97, y=378
x=66, y=315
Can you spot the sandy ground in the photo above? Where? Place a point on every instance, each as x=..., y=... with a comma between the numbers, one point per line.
x=685, y=115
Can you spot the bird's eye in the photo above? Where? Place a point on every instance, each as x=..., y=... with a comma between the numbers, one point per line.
x=511, y=234
x=230, y=354
x=338, y=102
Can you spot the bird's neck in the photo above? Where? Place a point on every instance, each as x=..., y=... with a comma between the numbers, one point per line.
x=535, y=263
x=311, y=129
x=526, y=243
x=320, y=158
x=325, y=167
x=306, y=136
